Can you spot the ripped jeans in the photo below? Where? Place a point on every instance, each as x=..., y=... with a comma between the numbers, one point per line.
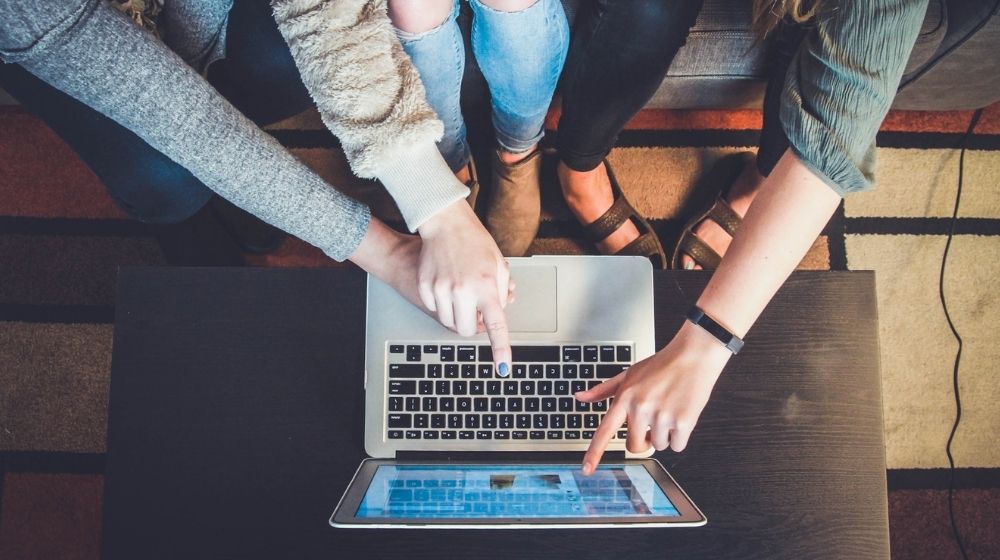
x=521, y=55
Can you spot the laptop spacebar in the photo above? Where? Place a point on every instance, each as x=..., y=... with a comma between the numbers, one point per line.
x=535, y=353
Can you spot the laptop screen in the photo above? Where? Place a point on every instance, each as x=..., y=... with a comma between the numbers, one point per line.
x=521, y=491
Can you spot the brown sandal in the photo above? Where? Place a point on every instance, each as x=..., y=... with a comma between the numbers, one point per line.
x=646, y=245
x=724, y=173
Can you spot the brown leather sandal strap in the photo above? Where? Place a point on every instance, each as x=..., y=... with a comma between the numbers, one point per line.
x=724, y=215
x=646, y=245
x=610, y=221
x=698, y=250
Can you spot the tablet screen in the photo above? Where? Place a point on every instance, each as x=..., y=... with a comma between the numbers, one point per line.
x=521, y=491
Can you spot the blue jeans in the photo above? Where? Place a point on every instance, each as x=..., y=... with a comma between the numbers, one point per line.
x=520, y=54
x=258, y=76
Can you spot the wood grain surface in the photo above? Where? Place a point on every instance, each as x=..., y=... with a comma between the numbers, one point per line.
x=236, y=417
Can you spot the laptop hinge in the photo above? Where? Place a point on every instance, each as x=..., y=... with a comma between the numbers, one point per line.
x=505, y=456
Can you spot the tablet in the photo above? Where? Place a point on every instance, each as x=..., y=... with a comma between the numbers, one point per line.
x=408, y=494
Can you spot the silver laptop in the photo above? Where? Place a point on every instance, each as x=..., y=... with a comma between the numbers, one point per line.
x=454, y=444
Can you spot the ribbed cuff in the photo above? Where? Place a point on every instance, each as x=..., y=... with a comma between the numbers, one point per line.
x=420, y=182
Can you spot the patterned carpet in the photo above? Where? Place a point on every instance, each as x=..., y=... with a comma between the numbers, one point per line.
x=62, y=239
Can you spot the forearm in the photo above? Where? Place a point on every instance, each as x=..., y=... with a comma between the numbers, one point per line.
x=370, y=96
x=109, y=64
x=779, y=228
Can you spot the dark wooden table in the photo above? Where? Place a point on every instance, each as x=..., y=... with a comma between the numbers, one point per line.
x=235, y=424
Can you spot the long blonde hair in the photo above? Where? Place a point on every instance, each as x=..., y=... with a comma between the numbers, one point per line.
x=768, y=13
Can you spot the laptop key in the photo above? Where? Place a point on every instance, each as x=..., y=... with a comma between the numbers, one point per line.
x=464, y=404
x=442, y=387
x=480, y=404
x=395, y=348
x=571, y=354
x=532, y=405
x=566, y=404
x=553, y=434
x=549, y=404
x=420, y=421
x=588, y=434
x=591, y=420
x=599, y=406
x=527, y=388
x=590, y=354
x=430, y=434
x=519, y=434
x=477, y=387
x=574, y=421
x=485, y=371
x=472, y=421
x=510, y=387
x=484, y=434
x=412, y=353
x=515, y=404
x=569, y=371
x=412, y=404
x=437, y=421
x=493, y=388
x=460, y=387
x=520, y=371
x=466, y=353
x=501, y=434
x=498, y=404
x=406, y=371
x=490, y=421
x=468, y=371
x=523, y=421
x=561, y=387
x=395, y=434
x=446, y=404
x=605, y=371
x=449, y=434
x=535, y=353
x=455, y=421
x=557, y=421
x=607, y=354
x=581, y=406
x=447, y=354
x=400, y=420
x=544, y=387
x=540, y=421
x=466, y=434
x=485, y=354
x=412, y=434
x=396, y=404
x=434, y=371
x=573, y=435
x=624, y=354
x=586, y=371
x=536, y=434
x=552, y=371
x=535, y=371
x=451, y=371
x=402, y=387
x=622, y=434
x=425, y=387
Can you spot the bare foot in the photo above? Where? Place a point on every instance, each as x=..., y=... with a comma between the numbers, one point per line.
x=588, y=195
x=740, y=196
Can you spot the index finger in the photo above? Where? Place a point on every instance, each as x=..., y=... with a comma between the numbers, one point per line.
x=613, y=420
x=495, y=322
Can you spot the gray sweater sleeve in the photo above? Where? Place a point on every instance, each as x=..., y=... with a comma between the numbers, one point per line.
x=99, y=57
x=841, y=83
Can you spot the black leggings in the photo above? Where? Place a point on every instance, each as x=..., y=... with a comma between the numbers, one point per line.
x=619, y=56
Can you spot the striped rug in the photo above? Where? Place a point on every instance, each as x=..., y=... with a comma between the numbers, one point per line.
x=61, y=240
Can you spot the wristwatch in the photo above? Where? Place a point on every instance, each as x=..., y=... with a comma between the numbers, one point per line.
x=732, y=342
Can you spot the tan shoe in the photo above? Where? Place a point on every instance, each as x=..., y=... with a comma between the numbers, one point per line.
x=515, y=207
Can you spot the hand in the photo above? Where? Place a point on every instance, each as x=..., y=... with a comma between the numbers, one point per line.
x=661, y=397
x=464, y=279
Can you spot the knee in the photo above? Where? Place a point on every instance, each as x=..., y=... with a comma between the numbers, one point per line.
x=419, y=16
x=158, y=192
x=509, y=5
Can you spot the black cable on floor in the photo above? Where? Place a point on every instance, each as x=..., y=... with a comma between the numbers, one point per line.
x=954, y=332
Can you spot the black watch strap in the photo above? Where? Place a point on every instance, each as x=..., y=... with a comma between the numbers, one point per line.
x=728, y=339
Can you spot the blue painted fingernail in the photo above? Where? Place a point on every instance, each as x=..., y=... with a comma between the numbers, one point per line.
x=503, y=370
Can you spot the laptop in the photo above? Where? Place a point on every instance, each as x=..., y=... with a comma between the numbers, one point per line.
x=453, y=444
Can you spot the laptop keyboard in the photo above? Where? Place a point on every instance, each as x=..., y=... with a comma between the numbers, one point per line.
x=451, y=392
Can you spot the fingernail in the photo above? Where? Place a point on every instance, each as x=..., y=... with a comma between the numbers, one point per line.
x=503, y=370
x=689, y=265
x=587, y=468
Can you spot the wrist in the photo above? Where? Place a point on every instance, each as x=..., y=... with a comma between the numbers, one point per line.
x=376, y=249
x=695, y=339
x=445, y=220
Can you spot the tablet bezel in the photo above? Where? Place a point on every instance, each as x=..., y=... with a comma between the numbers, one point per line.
x=344, y=516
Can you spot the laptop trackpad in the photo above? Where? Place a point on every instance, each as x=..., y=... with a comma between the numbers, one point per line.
x=535, y=308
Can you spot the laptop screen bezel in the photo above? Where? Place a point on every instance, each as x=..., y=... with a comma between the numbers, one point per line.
x=345, y=515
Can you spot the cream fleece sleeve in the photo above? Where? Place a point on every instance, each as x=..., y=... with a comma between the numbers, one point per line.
x=370, y=96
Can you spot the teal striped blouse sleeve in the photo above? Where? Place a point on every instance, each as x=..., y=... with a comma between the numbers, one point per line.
x=841, y=83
